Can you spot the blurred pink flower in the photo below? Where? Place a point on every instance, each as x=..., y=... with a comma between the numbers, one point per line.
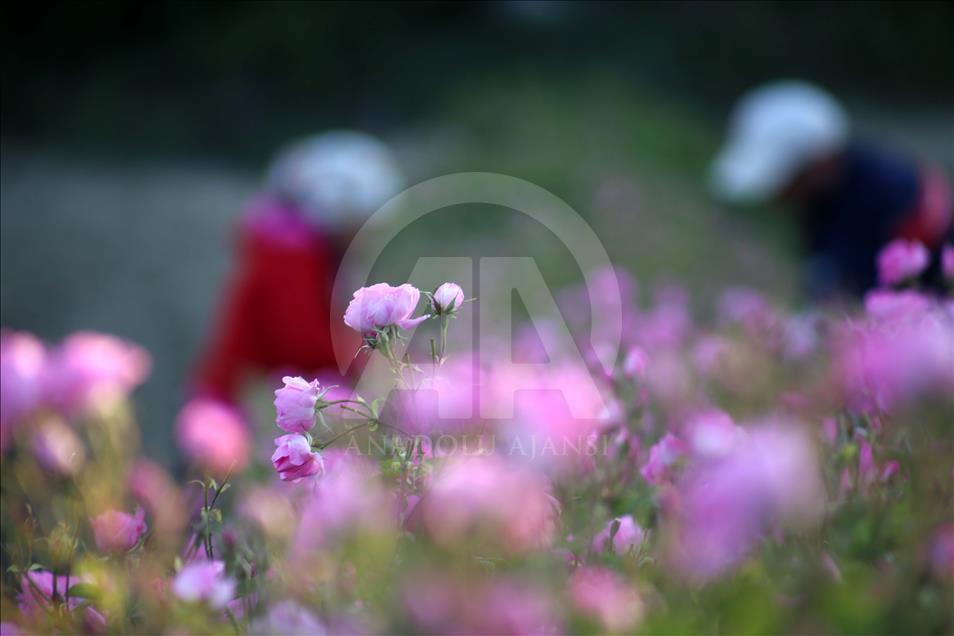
x=288, y=618
x=212, y=434
x=628, y=536
x=40, y=590
x=295, y=404
x=294, y=458
x=90, y=369
x=57, y=448
x=711, y=434
x=901, y=260
x=440, y=605
x=604, y=595
x=22, y=363
x=116, y=531
x=487, y=500
x=448, y=298
x=662, y=456
x=886, y=304
x=769, y=480
x=204, y=582
x=635, y=363
x=381, y=305
x=151, y=485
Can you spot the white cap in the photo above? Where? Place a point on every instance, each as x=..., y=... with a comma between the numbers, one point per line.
x=338, y=178
x=776, y=129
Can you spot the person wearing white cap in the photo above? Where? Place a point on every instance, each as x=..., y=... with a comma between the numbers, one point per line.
x=790, y=141
x=275, y=317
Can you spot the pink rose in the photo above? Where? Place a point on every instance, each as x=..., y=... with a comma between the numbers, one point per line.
x=295, y=404
x=628, y=536
x=116, y=531
x=89, y=368
x=204, y=582
x=294, y=459
x=22, y=361
x=381, y=305
x=901, y=260
x=213, y=435
x=448, y=298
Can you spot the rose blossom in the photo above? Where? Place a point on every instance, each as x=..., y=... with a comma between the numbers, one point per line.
x=39, y=590
x=295, y=404
x=381, y=305
x=662, y=456
x=88, y=369
x=294, y=459
x=448, y=298
x=603, y=594
x=901, y=260
x=213, y=435
x=628, y=536
x=288, y=618
x=22, y=360
x=204, y=581
x=118, y=531
x=485, y=499
x=57, y=448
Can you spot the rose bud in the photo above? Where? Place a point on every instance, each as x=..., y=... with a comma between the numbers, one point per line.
x=295, y=404
x=447, y=299
x=294, y=459
x=118, y=531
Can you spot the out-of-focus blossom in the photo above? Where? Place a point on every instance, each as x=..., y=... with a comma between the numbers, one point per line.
x=447, y=299
x=605, y=596
x=635, y=363
x=213, y=435
x=295, y=404
x=668, y=324
x=89, y=369
x=381, y=305
x=891, y=360
x=770, y=480
x=22, y=362
x=436, y=604
x=629, y=536
x=151, y=485
x=886, y=304
x=941, y=551
x=57, y=448
x=294, y=458
x=902, y=260
x=709, y=353
x=947, y=263
x=347, y=502
x=270, y=510
x=711, y=434
x=117, y=531
x=487, y=500
x=41, y=590
x=204, y=582
x=288, y=618
x=8, y=628
x=662, y=456
x=746, y=307
x=800, y=336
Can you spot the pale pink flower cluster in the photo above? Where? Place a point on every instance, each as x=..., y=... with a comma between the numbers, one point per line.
x=204, y=582
x=901, y=261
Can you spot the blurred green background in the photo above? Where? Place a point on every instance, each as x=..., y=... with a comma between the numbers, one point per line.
x=133, y=133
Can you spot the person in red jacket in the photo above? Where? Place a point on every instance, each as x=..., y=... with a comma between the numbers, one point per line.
x=276, y=314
